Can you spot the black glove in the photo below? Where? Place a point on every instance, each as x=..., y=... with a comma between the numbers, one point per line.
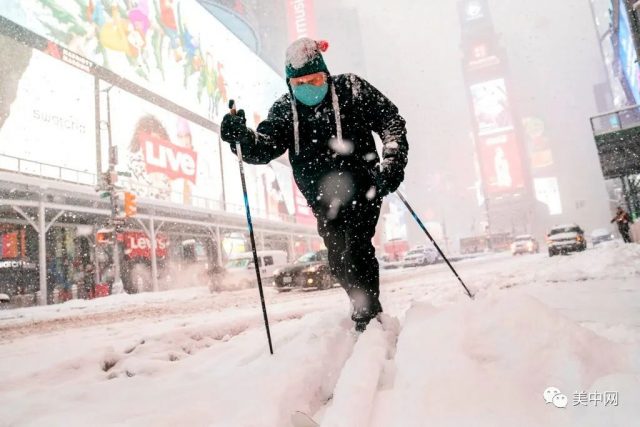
x=234, y=127
x=388, y=181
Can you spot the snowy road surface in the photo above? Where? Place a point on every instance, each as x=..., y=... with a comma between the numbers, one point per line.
x=188, y=357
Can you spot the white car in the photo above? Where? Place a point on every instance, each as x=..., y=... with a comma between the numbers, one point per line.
x=524, y=244
x=563, y=239
x=601, y=235
x=386, y=263
x=421, y=255
x=240, y=271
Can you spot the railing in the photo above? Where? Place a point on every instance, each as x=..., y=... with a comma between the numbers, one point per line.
x=59, y=173
x=613, y=121
x=178, y=197
x=44, y=170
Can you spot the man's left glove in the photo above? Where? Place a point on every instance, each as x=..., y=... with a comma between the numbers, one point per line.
x=388, y=181
x=234, y=127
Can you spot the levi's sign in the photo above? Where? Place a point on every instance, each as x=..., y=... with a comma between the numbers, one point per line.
x=173, y=161
x=138, y=245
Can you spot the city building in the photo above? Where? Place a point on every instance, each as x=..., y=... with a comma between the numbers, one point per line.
x=616, y=129
x=101, y=103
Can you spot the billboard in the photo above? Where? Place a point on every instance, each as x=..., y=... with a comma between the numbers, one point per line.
x=277, y=183
x=627, y=53
x=174, y=48
x=395, y=223
x=304, y=215
x=301, y=19
x=491, y=107
x=548, y=192
x=500, y=163
x=46, y=112
x=166, y=157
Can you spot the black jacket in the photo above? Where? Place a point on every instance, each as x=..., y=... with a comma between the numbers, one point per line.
x=363, y=109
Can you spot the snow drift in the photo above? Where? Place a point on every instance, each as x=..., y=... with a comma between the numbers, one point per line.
x=488, y=362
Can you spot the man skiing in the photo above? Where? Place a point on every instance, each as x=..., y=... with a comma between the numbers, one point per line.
x=623, y=220
x=326, y=124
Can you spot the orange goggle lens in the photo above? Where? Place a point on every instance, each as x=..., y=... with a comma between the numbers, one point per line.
x=314, y=80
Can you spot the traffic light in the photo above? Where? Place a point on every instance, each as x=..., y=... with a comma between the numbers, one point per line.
x=130, y=207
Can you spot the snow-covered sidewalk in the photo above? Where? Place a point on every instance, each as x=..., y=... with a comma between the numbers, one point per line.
x=190, y=358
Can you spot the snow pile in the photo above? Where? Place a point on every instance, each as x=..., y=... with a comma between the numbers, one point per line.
x=488, y=362
x=618, y=260
x=189, y=357
x=189, y=377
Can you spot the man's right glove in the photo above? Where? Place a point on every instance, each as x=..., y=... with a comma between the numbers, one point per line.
x=234, y=127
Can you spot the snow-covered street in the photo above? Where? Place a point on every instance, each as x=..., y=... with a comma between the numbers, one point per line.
x=188, y=357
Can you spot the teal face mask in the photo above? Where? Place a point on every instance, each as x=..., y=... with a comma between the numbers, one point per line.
x=310, y=95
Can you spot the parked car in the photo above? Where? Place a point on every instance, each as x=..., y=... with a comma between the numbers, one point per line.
x=524, y=244
x=601, y=235
x=311, y=270
x=386, y=262
x=240, y=270
x=566, y=238
x=420, y=255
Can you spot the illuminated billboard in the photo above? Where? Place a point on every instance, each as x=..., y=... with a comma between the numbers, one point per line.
x=277, y=183
x=395, y=223
x=491, y=107
x=548, y=192
x=301, y=19
x=171, y=159
x=174, y=48
x=627, y=53
x=167, y=157
x=500, y=163
x=47, y=111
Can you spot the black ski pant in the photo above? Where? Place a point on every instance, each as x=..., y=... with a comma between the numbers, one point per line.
x=347, y=235
x=624, y=232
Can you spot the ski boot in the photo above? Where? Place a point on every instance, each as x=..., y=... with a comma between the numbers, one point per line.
x=363, y=314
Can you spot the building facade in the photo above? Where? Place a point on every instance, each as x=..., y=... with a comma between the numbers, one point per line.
x=131, y=97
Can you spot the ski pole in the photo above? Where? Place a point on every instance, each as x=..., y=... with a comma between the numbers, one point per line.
x=415, y=216
x=233, y=112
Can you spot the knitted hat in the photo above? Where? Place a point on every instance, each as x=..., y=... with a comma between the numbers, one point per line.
x=304, y=56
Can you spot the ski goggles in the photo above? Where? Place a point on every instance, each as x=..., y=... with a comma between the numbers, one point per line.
x=315, y=79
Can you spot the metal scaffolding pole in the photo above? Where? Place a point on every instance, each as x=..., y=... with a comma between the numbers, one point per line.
x=219, y=244
x=42, y=251
x=262, y=240
x=292, y=248
x=154, y=257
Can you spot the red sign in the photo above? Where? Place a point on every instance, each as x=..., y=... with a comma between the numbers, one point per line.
x=301, y=18
x=163, y=157
x=500, y=163
x=138, y=245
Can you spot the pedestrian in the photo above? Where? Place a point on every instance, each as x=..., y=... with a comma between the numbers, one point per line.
x=326, y=122
x=55, y=278
x=623, y=220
